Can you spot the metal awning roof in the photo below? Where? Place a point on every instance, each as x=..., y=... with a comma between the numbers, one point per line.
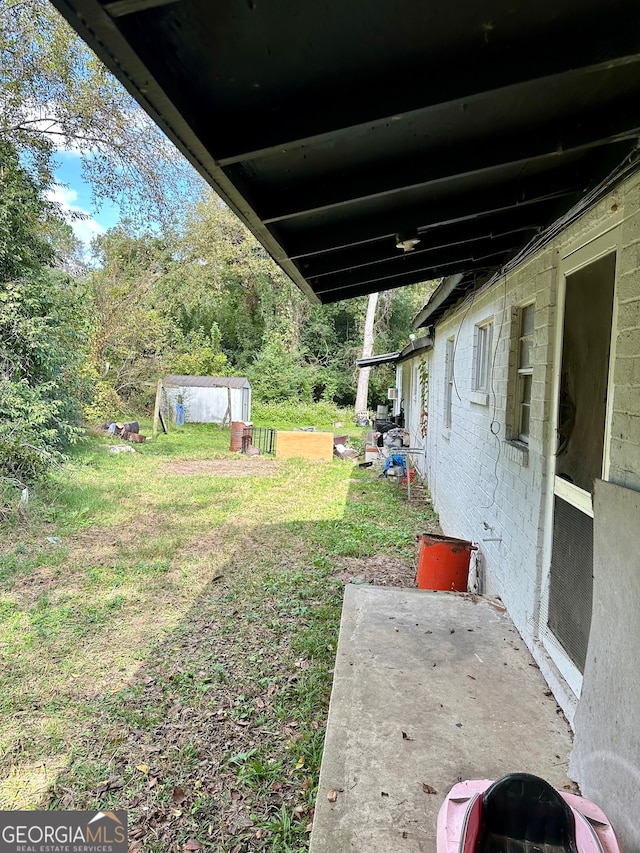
x=374, y=360
x=416, y=345
x=332, y=127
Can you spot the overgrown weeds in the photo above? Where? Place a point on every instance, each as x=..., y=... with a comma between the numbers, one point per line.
x=168, y=639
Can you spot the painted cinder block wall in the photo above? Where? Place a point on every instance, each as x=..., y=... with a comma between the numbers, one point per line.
x=625, y=426
x=486, y=488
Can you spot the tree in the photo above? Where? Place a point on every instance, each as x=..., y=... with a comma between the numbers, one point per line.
x=132, y=337
x=43, y=331
x=367, y=350
x=55, y=94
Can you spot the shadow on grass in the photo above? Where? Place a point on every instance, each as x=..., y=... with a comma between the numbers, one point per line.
x=193, y=689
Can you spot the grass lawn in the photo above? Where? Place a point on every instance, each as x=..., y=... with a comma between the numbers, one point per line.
x=168, y=624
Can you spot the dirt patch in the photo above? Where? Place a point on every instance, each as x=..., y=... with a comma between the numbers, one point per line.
x=379, y=570
x=252, y=467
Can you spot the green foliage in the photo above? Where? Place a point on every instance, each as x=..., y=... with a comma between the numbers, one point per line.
x=56, y=94
x=131, y=340
x=42, y=337
x=208, y=300
x=105, y=404
x=277, y=374
x=292, y=413
x=198, y=354
x=43, y=333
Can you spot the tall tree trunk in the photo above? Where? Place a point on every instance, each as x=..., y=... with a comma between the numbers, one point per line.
x=367, y=350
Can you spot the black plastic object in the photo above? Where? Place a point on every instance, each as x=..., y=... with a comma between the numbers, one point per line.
x=522, y=813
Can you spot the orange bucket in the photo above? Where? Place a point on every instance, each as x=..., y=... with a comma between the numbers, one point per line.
x=443, y=563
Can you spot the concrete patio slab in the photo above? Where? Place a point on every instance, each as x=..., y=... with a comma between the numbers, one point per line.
x=429, y=688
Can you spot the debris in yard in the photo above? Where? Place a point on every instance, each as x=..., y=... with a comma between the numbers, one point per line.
x=405, y=736
x=120, y=448
x=340, y=448
x=380, y=570
x=428, y=789
x=178, y=796
x=135, y=437
x=129, y=431
x=54, y=540
x=111, y=784
x=332, y=796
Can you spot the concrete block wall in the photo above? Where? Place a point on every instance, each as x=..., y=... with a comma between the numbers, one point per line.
x=486, y=486
x=624, y=452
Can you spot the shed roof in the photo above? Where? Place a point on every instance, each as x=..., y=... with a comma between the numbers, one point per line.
x=206, y=381
x=334, y=128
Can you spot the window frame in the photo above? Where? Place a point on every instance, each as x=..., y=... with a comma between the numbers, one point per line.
x=448, y=382
x=524, y=374
x=483, y=345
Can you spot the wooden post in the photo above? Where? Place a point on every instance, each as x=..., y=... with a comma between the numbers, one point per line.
x=156, y=409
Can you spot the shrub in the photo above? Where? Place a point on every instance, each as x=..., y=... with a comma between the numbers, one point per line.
x=296, y=413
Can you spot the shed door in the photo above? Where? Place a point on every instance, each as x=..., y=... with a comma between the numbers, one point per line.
x=582, y=391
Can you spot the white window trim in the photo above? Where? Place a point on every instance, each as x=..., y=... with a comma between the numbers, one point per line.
x=482, y=361
x=522, y=372
x=448, y=382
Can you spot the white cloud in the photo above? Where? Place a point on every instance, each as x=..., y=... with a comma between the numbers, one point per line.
x=85, y=228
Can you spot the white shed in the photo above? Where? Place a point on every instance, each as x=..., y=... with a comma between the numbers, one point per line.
x=208, y=399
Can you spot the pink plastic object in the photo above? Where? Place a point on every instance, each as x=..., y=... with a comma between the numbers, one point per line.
x=460, y=821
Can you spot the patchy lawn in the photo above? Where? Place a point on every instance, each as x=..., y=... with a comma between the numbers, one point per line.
x=168, y=624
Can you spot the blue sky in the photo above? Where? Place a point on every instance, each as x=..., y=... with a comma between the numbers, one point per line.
x=74, y=194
